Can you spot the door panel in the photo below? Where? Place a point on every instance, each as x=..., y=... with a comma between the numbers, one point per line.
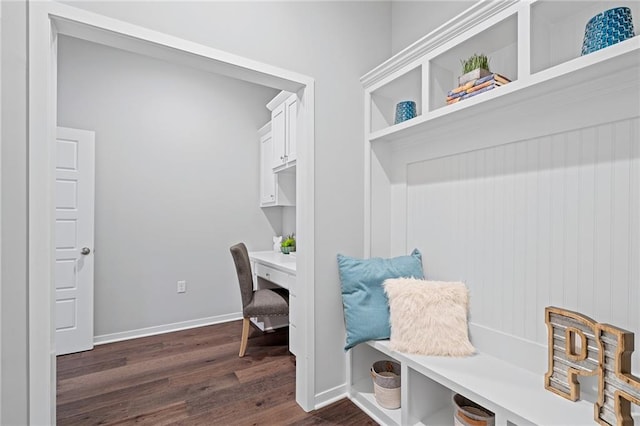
x=74, y=217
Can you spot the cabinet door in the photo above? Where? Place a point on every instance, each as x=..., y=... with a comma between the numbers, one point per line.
x=291, y=106
x=293, y=326
x=279, y=135
x=267, y=177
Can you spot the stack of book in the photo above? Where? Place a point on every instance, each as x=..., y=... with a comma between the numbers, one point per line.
x=475, y=87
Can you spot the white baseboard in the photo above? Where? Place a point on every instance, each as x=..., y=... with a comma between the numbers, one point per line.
x=330, y=396
x=167, y=328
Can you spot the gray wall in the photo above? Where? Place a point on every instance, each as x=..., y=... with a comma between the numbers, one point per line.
x=177, y=182
x=13, y=193
x=412, y=20
x=335, y=43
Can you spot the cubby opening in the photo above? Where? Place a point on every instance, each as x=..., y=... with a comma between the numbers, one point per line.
x=362, y=358
x=407, y=87
x=430, y=403
x=557, y=29
x=499, y=42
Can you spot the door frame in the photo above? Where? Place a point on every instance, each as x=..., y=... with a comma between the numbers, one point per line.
x=46, y=21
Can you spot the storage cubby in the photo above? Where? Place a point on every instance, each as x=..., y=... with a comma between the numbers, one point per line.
x=407, y=87
x=499, y=43
x=362, y=358
x=557, y=28
x=557, y=104
x=429, y=403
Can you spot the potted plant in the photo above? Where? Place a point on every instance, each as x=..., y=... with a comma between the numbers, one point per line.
x=288, y=244
x=473, y=68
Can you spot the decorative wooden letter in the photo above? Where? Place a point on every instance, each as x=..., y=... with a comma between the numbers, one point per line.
x=580, y=346
x=617, y=388
x=565, y=361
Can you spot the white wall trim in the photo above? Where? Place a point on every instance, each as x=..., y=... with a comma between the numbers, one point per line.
x=0, y=217
x=166, y=328
x=446, y=32
x=330, y=396
x=46, y=20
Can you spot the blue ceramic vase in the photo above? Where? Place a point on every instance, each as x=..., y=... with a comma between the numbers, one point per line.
x=607, y=28
x=405, y=110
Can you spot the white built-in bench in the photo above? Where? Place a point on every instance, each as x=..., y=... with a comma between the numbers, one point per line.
x=514, y=393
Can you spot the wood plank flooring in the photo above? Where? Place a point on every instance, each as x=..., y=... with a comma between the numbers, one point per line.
x=190, y=377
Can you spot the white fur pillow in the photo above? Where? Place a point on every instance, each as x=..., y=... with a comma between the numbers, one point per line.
x=429, y=317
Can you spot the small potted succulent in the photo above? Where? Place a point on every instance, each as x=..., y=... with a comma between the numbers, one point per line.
x=475, y=67
x=288, y=244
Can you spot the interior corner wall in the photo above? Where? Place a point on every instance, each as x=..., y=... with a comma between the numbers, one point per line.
x=412, y=20
x=13, y=261
x=335, y=43
x=177, y=183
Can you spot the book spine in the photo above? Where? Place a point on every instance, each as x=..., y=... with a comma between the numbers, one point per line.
x=481, y=86
x=455, y=95
x=477, y=92
x=462, y=88
x=500, y=78
x=484, y=79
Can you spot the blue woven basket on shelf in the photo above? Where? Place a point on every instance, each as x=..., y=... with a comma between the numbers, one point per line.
x=607, y=28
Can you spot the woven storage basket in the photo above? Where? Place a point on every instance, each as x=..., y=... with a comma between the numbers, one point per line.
x=468, y=413
x=386, y=383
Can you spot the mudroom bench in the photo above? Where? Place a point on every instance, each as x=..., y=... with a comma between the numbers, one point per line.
x=516, y=395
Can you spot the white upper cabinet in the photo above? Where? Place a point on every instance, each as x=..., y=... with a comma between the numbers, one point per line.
x=275, y=189
x=291, y=109
x=267, y=178
x=284, y=130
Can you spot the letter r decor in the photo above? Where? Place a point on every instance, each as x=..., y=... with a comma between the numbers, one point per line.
x=580, y=346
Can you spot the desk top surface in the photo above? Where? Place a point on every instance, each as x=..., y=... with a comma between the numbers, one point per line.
x=283, y=262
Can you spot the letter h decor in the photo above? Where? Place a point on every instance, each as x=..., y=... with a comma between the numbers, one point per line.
x=579, y=346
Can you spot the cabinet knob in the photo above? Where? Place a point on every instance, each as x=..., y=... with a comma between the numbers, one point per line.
x=281, y=157
x=85, y=251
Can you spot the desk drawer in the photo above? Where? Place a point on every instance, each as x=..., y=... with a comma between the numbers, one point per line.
x=277, y=277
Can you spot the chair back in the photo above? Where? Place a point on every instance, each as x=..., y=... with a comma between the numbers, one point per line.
x=243, y=269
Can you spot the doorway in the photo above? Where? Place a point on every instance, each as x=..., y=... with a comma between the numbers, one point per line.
x=47, y=21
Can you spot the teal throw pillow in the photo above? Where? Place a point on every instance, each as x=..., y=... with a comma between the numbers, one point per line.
x=366, y=307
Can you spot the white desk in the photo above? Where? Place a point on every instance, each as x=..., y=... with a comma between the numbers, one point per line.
x=270, y=260
x=276, y=269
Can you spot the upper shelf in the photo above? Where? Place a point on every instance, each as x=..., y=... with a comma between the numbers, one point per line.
x=557, y=28
x=615, y=69
x=534, y=44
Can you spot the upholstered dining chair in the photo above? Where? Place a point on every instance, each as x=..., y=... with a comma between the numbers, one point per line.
x=255, y=303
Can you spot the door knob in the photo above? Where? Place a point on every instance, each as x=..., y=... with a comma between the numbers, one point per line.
x=85, y=250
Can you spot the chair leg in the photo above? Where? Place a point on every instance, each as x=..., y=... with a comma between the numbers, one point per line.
x=245, y=336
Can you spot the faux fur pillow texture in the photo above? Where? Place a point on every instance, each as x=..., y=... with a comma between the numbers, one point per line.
x=429, y=317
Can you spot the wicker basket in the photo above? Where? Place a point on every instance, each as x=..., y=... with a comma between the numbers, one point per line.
x=386, y=383
x=468, y=413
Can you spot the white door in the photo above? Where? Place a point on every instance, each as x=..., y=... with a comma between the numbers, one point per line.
x=74, y=199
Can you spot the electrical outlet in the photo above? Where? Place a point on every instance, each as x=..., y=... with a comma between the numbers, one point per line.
x=182, y=286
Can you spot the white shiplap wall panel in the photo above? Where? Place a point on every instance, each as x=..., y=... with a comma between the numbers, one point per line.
x=602, y=222
x=547, y=221
x=543, y=213
x=586, y=214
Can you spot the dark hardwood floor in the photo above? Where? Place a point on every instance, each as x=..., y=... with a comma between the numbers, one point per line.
x=190, y=377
